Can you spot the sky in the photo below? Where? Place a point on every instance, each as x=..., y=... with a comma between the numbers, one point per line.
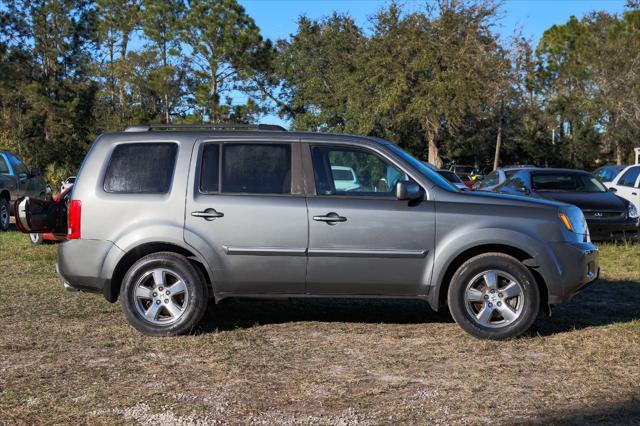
x=277, y=18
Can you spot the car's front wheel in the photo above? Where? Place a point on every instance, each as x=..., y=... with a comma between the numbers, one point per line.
x=162, y=294
x=494, y=296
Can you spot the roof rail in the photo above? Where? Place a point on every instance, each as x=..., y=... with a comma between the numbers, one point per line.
x=229, y=126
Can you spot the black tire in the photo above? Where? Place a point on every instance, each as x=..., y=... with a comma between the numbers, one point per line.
x=5, y=214
x=141, y=274
x=496, y=326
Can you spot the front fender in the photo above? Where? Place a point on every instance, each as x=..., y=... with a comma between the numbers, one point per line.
x=455, y=244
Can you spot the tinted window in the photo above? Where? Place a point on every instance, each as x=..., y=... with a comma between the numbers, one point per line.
x=143, y=168
x=370, y=174
x=566, y=182
x=629, y=177
x=491, y=179
x=210, y=168
x=256, y=169
x=4, y=168
x=509, y=173
x=18, y=166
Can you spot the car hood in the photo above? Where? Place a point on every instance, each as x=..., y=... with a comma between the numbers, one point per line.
x=605, y=201
x=508, y=199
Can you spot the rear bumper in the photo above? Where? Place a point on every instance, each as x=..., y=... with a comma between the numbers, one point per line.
x=81, y=264
x=579, y=268
x=613, y=231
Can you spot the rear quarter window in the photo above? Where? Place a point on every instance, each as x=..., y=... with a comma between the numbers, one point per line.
x=141, y=168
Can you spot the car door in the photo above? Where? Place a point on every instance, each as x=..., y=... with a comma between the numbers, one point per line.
x=627, y=185
x=246, y=213
x=364, y=241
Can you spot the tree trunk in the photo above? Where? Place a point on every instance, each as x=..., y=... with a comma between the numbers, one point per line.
x=167, y=117
x=112, y=77
x=213, y=105
x=496, y=158
x=432, y=137
x=121, y=83
x=618, y=152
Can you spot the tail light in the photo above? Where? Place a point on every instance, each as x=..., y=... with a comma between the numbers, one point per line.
x=74, y=219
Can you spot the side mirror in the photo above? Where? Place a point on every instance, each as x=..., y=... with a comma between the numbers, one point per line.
x=409, y=191
x=35, y=172
x=524, y=190
x=612, y=189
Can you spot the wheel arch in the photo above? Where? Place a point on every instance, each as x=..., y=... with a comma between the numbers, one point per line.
x=439, y=298
x=6, y=195
x=112, y=289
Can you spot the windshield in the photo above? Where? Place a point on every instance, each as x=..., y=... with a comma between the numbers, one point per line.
x=426, y=171
x=450, y=176
x=566, y=182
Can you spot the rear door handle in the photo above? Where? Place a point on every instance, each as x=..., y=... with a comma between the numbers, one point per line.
x=330, y=218
x=208, y=214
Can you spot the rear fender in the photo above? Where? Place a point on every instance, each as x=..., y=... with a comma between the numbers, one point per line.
x=162, y=234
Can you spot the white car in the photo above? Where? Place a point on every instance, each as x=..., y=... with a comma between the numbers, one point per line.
x=627, y=185
x=67, y=183
x=344, y=178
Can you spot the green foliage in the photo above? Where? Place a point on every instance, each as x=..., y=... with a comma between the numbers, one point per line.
x=437, y=81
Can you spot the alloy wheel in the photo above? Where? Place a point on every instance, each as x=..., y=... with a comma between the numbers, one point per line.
x=494, y=299
x=161, y=296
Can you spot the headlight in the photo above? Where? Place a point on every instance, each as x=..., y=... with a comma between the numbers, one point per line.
x=632, y=212
x=573, y=220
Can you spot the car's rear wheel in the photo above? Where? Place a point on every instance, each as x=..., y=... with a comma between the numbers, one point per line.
x=494, y=296
x=162, y=294
x=4, y=214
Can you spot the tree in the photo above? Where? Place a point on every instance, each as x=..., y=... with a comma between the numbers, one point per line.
x=223, y=40
x=117, y=20
x=161, y=24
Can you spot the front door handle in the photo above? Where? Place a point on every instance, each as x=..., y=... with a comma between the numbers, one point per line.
x=330, y=218
x=208, y=214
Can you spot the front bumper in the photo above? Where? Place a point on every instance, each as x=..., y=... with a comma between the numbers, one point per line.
x=601, y=230
x=579, y=267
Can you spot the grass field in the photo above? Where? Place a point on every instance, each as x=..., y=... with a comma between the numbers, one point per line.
x=72, y=358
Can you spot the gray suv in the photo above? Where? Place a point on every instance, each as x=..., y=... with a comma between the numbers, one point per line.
x=166, y=218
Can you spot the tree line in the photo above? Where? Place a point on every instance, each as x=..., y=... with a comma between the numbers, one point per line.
x=440, y=81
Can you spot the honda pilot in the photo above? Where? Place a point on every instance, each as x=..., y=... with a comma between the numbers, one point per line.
x=165, y=218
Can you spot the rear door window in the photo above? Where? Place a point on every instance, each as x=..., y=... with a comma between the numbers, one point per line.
x=141, y=168
x=256, y=168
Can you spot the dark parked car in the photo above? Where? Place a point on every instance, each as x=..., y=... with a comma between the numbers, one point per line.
x=608, y=173
x=609, y=217
x=16, y=181
x=164, y=218
x=454, y=179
